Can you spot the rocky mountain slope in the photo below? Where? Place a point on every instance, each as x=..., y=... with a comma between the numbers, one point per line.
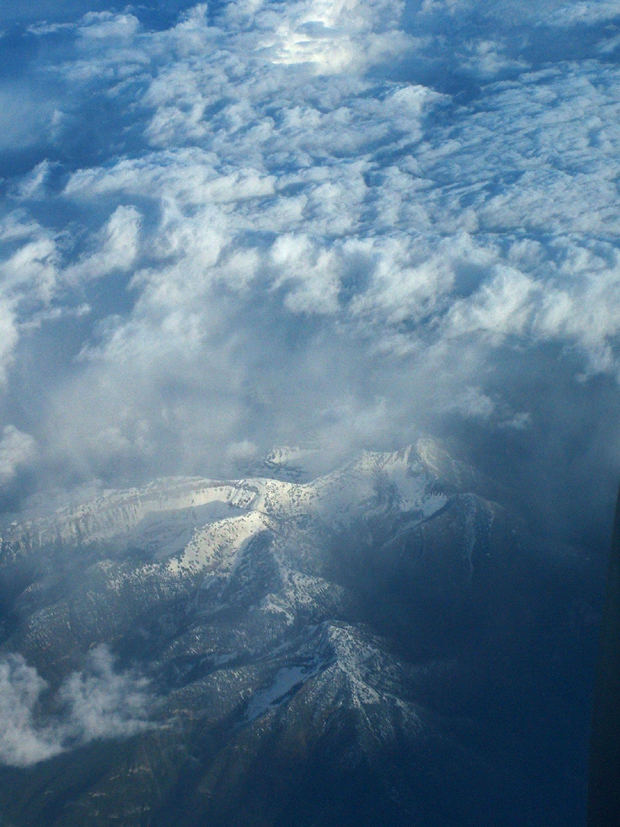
x=383, y=644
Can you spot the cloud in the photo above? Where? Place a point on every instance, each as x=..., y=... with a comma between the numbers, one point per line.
x=108, y=26
x=28, y=280
x=116, y=248
x=16, y=449
x=487, y=59
x=103, y=703
x=8, y=338
x=20, y=688
x=95, y=703
x=585, y=12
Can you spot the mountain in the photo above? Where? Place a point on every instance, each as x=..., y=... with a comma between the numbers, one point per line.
x=382, y=644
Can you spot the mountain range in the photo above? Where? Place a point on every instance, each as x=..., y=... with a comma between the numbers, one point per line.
x=384, y=644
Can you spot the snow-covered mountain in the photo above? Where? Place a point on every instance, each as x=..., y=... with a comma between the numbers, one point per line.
x=338, y=634
x=414, y=478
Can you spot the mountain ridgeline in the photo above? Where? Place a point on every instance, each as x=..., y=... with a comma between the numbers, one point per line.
x=383, y=644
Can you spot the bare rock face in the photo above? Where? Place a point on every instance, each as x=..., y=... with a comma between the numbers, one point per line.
x=377, y=645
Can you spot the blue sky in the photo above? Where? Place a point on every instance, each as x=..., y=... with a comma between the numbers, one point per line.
x=231, y=226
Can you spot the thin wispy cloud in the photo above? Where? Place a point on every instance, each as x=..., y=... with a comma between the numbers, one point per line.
x=98, y=702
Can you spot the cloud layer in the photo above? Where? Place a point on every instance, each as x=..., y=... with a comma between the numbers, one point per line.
x=310, y=223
